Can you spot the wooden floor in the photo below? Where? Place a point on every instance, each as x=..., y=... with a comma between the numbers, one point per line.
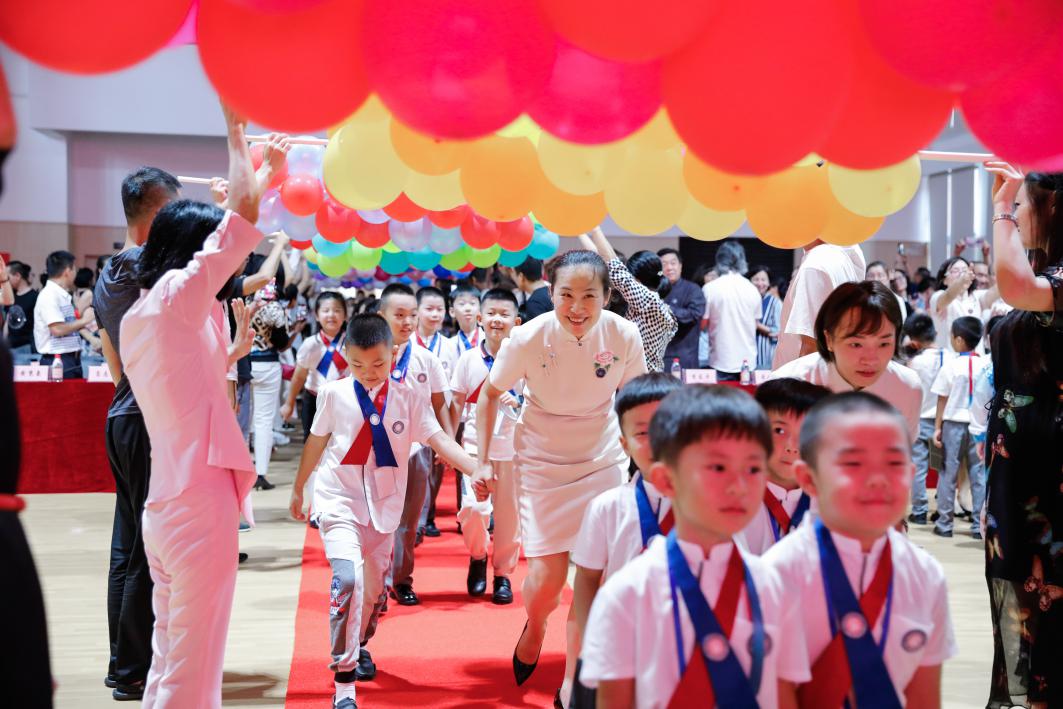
x=70, y=538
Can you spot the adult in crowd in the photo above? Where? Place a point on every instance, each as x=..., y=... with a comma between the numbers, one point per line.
x=529, y=277
x=176, y=354
x=705, y=274
x=688, y=306
x=770, y=310
x=823, y=268
x=56, y=322
x=91, y=347
x=956, y=297
x=1024, y=519
x=858, y=333
x=900, y=284
x=641, y=283
x=129, y=617
x=877, y=271
x=18, y=324
x=7, y=291
x=732, y=307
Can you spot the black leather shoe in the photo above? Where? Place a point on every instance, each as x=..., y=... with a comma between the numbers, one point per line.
x=940, y=533
x=346, y=703
x=404, y=595
x=917, y=519
x=476, y=581
x=128, y=692
x=366, y=669
x=503, y=594
x=262, y=484
x=431, y=530
x=522, y=671
x=241, y=557
x=110, y=681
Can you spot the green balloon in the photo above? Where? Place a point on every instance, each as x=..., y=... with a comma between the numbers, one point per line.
x=455, y=260
x=390, y=248
x=362, y=257
x=482, y=258
x=333, y=266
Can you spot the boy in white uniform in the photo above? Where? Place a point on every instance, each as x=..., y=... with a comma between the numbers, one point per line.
x=319, y=359
x=465, y=313
x=499, y=316
x=786, y=401
x=620, y=523
x=431, y=309
x=954, y=388
x=926, y=361
x=364, y=428
x=694, y=621
x=886, y=648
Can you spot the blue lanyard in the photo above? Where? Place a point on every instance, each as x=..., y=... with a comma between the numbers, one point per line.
x=465, y=341
x=795, y=520
x=399, y=372
x=431, y=346
x=648, y=522
x=385, y=456
x=728, y=678
x=326, y=361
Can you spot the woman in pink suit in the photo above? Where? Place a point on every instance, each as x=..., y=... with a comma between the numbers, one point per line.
x=175, y=342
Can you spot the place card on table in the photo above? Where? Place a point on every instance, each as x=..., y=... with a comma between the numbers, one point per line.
x=699, y=376
x=99, y=373
x=30, y=373
x=760, y=376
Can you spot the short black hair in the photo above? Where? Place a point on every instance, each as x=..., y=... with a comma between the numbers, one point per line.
x=177, y=233
x=392, y=290
x=466, y=290
x=873, y=303
x=22, y=269
x=500, y=294
x=84, y=278
x=990, y=325
x=762, y=268
x=144, y=189
x=691, y=414
x=429, y=292
x=327, y=296
x=478, y=274
x=645, y=389
x=367, y=330
x=57, y=262
x=968, y=329
x=582, y=258
x=877, y=263
x=661, y=253
x=842, y=405
x=789, y=396
x=919, y=327
x=531, y=268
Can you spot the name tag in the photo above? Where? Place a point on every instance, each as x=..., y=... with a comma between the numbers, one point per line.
x=760, y=376
x=699, y=376
x=30, y=373
x=99, y=373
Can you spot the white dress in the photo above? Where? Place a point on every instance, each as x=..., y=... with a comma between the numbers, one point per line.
x=567, y=442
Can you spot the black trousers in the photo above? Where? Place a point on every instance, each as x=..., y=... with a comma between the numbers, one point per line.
x=129, y=614
x=71, y=364
x=308, y=411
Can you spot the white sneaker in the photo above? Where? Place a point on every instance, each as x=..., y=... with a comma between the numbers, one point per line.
x=279, y=439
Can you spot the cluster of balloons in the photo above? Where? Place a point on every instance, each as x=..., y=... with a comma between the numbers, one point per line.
x=751, y=88
x=378, y=278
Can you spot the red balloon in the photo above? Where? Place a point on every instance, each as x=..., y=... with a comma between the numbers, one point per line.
x=450, y=218
x=301, y=245
x=336, y=222
x=456, y=68
x=629, y=30
x=516, y=235
x=373, y=236
x=90, y=37
x=593, y=100
x=302, y=194
x=467, y=268
x=480, y=233
x=780, y=104
x=257, y=58
x=951, y=43
x=404, y=209
x=256, y=161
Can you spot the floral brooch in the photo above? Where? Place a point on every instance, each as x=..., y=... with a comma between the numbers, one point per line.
x=602, y=362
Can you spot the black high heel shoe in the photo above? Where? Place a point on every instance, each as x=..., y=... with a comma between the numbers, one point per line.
x=262, y=484
x=522, y=671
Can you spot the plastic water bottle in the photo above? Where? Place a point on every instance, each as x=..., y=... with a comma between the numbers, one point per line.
x=677, y=370
x=55, y=372
x=745, y=377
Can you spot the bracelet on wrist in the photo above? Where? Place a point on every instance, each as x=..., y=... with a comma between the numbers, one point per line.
x=1004, y=216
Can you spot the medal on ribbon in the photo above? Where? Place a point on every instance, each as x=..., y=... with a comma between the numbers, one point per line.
x=373, y=436
x=399, y=371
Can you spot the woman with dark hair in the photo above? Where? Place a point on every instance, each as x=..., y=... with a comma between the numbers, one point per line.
x=642, y=285
x=956, y=297
x=1024, y=453
x=770, y=312
x=858, y=333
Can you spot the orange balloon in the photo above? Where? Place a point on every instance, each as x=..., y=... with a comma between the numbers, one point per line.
x=716, y=189
x=845, y=228
x=425, y=154
x=502, y=178
x=568, y=214
x=793, y=208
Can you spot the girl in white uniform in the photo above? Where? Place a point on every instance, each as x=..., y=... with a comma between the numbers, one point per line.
x=319, y=360
x=567, y=443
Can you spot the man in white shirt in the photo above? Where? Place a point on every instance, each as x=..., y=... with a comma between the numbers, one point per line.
x=732, y=307
x=55, y=321
x=824, y=268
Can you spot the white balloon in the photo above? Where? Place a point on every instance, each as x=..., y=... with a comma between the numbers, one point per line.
x=373, y=216
x=410, y=236
x=306, y=158
x=445, y=241
x=299, y=228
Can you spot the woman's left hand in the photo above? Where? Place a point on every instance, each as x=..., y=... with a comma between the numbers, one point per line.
x=1007, y=179
x=245, y=334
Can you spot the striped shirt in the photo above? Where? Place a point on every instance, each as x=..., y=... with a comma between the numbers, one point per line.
x=770, y=310
x=54, y=305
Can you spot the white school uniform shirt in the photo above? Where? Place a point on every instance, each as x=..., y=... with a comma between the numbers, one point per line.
x=54, y=305
x=425, y=373
x=469, y=373
x=898, y=385
x=373, y=496
x=732, y=307
x=927, y=364
x=920, y=631
x=967, y=304
x=823, y=269
x=956, y=380
x=610, y=535
x=631, y=633
x=759, y=535
x=309, y=356
x=456, y=348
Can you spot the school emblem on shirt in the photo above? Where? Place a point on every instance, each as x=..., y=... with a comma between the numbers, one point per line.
x=716, y=647
x=854, y=625
x=602, y=362
x=913, y=641
x=422, y=378
x=767, y=645
x=398, y=427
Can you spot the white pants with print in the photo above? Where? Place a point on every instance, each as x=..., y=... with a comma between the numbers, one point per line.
x=475, y=517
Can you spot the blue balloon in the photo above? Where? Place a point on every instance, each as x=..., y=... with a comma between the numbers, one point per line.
x=312, y=266
x=424, y=259
x=512, y=258
x=329, y=248
x=441, y=272
x=424, y=282
x=405, y=280
x=394, y=264
x=544, y=244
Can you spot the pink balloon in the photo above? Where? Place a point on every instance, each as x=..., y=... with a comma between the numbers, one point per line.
x=186, y=34
x=456, y=68
x=593, y=100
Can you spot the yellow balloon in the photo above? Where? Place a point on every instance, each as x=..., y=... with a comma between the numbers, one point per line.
x=523, y=127
x=310, y=255
x=568, y=214
x=793, y=207
x=845, y=228
x=435, y=192
x=876, y=193
x=390, y=248
x=647, y=195
x=501, y=178
x=372, y=111
x=706, y=224
x=579, y=169
x=424, y=154
x=658, y=134
x=716, y=189
x=361, y=168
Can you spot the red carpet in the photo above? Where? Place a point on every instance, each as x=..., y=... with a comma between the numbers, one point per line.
x=450, y=651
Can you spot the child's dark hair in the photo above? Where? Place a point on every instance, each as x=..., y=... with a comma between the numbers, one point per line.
x=789, y=396
x=968, y=329
x=693, y=413
x=872, y=302
x=392, y=290
x=465, y=290
x=992, y=324
x=645, y=389
x=586, y=259
x=367, y=330
x=430, y=292
x=919, y=327
x=502, y=295
x=327, y=296
x=838, y=406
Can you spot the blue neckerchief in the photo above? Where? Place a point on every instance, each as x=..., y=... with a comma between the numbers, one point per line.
x=431, y=346
x=795, y=519
x=326, y=361
x=385, y=457
x=399, y=372
x=465, y=340
x=649, y=525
